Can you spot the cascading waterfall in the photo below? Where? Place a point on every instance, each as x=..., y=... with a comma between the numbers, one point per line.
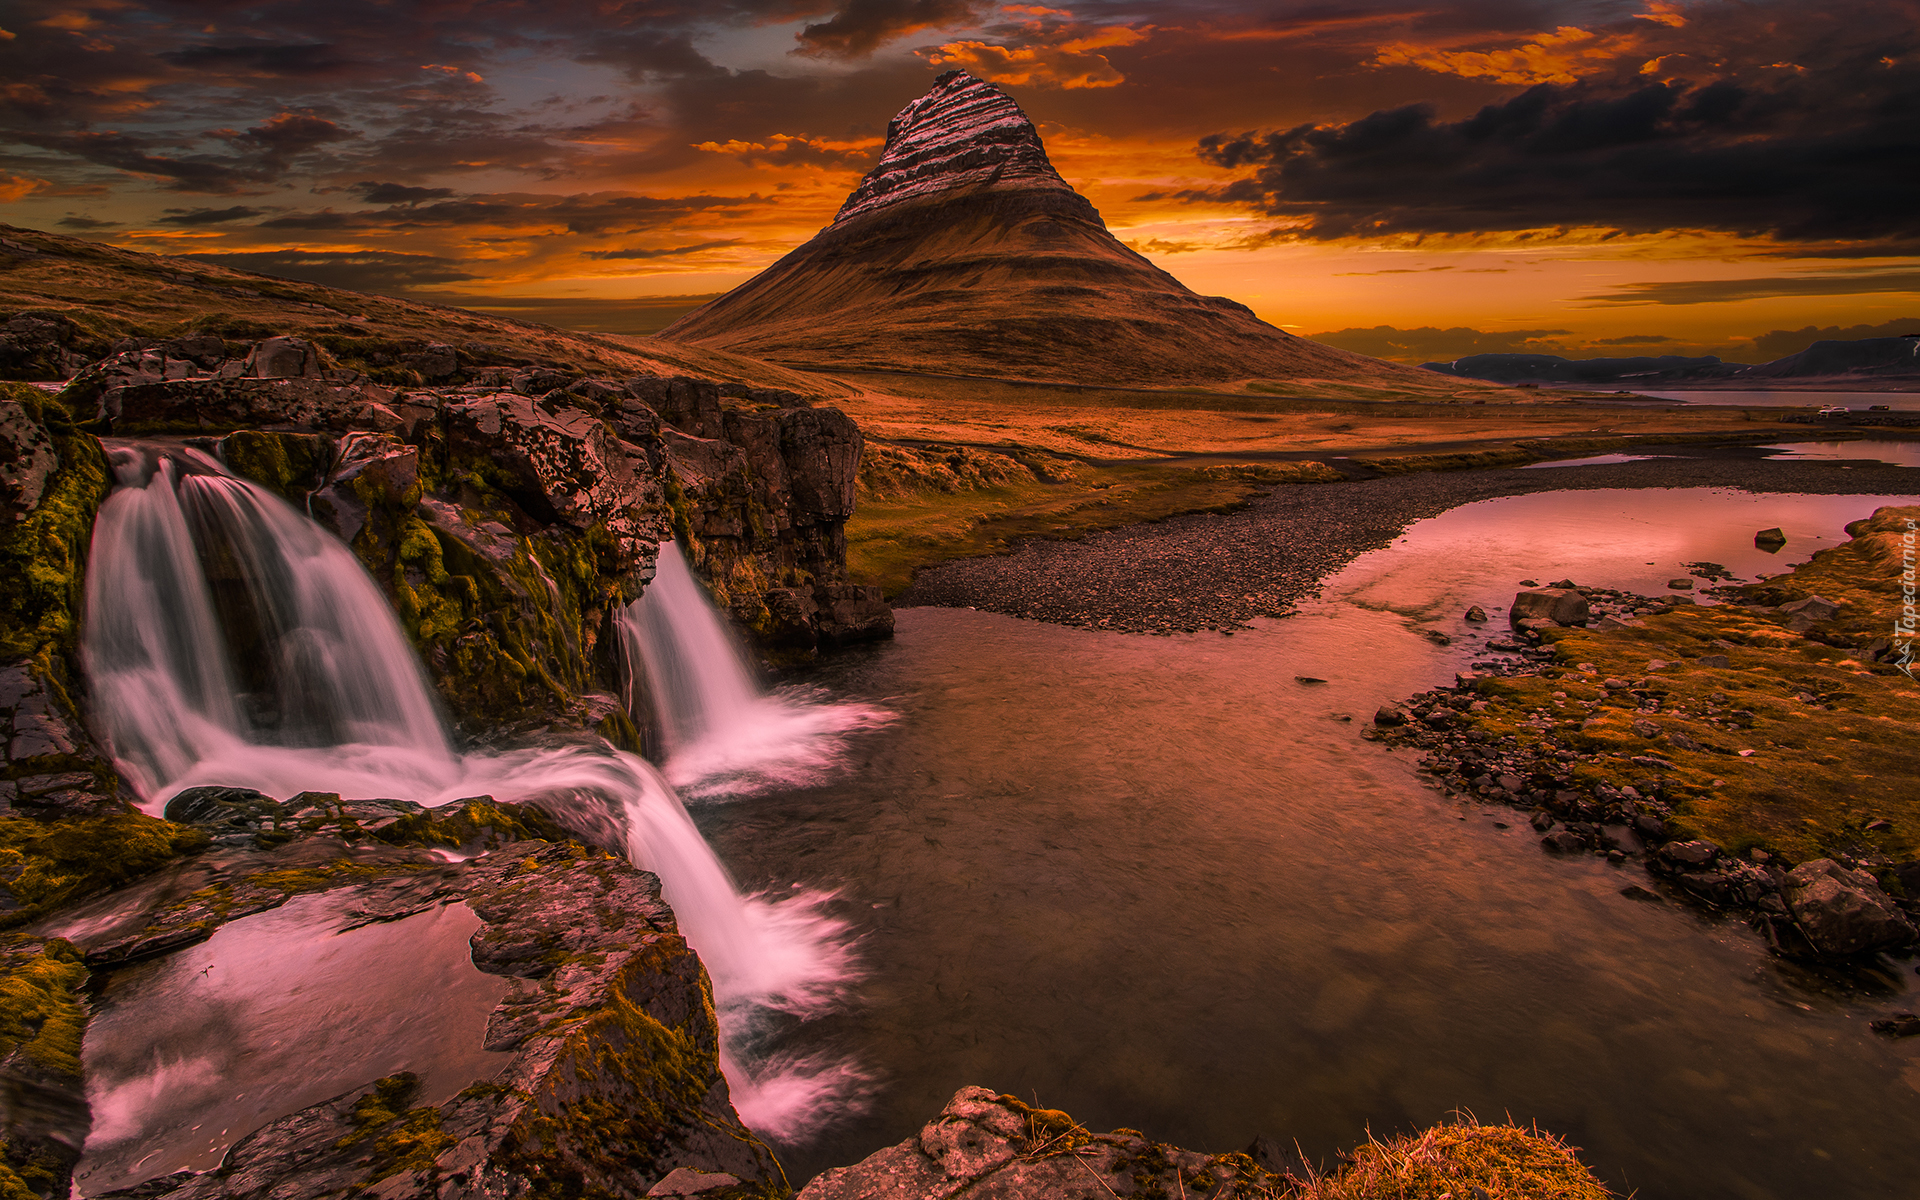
x=230, y=640
x=723, y=736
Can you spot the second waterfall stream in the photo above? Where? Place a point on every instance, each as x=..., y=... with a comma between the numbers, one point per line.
x=329, y=696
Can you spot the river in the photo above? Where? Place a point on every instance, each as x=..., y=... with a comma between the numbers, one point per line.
x=1160, y=882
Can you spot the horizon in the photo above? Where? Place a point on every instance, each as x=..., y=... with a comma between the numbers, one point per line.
x=1583, y=179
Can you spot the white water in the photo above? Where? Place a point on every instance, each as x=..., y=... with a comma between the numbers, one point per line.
x=348, y=710
x=723, y=736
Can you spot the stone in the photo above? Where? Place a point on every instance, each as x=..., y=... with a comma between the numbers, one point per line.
x=1564, y=841
x=1713, y=661
x=1475, y=613
x=1389, y=718
x=437, y=361
x=1680, y=583
x=1690, y=855
x=1646, y=729
x=685, y=1181
x=1562, y=606
x=28, y=461
x=1814, y=608
x=283, y=358
x=1843, y=911
x=1899, y=1025
x=1773, y=538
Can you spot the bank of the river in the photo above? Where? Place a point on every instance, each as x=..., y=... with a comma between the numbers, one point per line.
x=1221, y=570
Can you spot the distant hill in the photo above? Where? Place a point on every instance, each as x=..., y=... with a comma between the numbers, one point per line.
x=1886, y=364
x=965, y=253
x=65, y=301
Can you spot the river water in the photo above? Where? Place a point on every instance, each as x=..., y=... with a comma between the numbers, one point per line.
x=1164, y=883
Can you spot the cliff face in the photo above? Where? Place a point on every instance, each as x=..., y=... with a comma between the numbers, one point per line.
x=964, y=252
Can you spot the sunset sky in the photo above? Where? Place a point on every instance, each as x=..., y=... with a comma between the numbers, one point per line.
x=1582, y=178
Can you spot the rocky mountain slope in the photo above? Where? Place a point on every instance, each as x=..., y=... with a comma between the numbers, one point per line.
x=965, y=253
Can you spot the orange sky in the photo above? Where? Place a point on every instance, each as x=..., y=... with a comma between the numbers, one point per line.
x=1583, y=178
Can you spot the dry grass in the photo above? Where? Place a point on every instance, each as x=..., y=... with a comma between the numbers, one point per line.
x=956, y=503
x=1461, y=1160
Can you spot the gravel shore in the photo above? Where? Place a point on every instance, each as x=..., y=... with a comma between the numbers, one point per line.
x=1209, y=571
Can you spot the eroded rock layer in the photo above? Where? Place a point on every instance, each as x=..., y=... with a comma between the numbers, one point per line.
x=964, y=253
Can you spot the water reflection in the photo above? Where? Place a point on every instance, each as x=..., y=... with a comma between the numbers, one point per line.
x=1160, y=882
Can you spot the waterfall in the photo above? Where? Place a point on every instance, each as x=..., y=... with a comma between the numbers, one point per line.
x=722, y=734
x=231, y=640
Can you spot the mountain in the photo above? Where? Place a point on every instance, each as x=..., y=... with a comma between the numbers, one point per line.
x=965, y=253
x=1864, y=365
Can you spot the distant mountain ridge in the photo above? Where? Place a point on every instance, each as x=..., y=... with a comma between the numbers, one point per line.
x=1873, y=361
x=965, y=253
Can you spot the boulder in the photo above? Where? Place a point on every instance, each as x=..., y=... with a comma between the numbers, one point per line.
x=1561, y=605
x=1689, y=855
x=1475, y=613
x=1814, y=608
x=1680, y=583
x=40, y=344
x=1844, y=911
x=1770, y=539
x=283, y=358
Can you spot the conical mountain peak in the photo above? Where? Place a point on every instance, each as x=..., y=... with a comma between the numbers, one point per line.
x=963, y=134
x=964, y=253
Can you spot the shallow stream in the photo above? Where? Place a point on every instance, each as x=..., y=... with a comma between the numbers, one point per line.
x=1163, y=883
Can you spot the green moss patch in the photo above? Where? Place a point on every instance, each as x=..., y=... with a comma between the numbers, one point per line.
x=41, y=1015
x=47, y=864
x=43, y=558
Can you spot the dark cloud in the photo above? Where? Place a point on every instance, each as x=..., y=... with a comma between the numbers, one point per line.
x=1636, y=339
x=1779, y=343
x=86, y=223
x=1430, y=344
x=125, y=152
x=360, y=270
x=669, y=252
x=1716, y=291
x=208, y=216
x=305, y=58
x=588, y=213
x=863, y=26
x=397, y=193
x=1757, y=148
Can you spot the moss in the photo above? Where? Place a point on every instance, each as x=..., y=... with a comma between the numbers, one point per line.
x=1830, y=734
x=48, y=864
x=41, y=1014
x=43, y=558
x=655, y=1080
x=1463, y=1158
x=289, y=464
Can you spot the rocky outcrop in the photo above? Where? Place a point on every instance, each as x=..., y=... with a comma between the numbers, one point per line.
x=983, y=1144
x=964, y=253
x=38, y=344
x=510, y=520
x=52, y=480
x=962, y=135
